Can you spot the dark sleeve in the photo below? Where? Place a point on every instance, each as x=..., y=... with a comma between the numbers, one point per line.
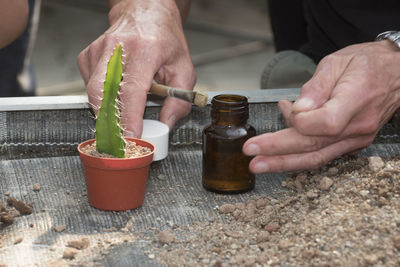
x=287, y=23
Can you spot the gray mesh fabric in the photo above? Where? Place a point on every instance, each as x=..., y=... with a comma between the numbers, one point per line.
x=40, y=147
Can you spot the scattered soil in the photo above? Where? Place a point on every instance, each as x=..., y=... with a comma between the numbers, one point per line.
x=344, y=214
x=132, y=150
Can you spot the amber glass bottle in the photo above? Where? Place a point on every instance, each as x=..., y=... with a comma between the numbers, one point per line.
x=225, y=167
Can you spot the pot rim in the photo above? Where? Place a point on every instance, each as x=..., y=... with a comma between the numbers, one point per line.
x=89, y=141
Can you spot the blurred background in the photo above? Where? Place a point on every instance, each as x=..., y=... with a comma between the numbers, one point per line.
x=230, y=42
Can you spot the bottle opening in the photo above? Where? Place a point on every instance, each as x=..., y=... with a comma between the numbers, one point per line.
x=229, y=109
x=229, y=103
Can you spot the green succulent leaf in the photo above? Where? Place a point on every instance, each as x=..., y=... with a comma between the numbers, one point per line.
x=109, y=134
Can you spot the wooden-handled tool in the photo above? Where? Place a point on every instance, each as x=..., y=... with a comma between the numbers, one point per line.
x=195, y=97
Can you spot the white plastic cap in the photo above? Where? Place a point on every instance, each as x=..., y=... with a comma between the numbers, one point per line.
x=156, y=133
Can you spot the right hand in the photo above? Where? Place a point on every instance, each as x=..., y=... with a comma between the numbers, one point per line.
x=352, y=94
x=154, y=47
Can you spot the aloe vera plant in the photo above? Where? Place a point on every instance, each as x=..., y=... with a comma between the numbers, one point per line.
x=109, y=133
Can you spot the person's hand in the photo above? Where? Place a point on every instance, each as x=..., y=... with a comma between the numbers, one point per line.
x=154, y=47
x=352, y=94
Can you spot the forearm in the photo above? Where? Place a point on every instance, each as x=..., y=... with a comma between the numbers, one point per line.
x=183, y=7
x=13, y=20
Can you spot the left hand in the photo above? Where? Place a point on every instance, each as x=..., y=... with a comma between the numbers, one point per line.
x=352, y=94
x=154, y=48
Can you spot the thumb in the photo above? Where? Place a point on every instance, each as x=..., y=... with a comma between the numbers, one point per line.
x=318, y=89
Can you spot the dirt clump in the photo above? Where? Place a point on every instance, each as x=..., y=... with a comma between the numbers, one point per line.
x=19, y=207
x=227, y=208
x=2, y=206
x=375, y=163
x=70, y=253
x=37, y=187
x=79, y=244
x=18, y=240
x=166, y=237
x=6, y=218
x=396, y=241
x=325, y=183
x=343, y=214
x=59, y=228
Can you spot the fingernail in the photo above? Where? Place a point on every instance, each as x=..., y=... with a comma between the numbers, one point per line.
x=252, y=149
x=260, y=167
x=303, y=104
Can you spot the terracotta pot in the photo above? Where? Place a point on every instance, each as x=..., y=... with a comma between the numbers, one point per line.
x=114, y=183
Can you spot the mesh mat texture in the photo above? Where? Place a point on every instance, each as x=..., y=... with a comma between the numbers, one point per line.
x=40, y=147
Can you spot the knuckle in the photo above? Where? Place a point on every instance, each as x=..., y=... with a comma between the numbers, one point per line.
x=194, y=78
x=367, y=141
x=191, y=77
x=273, y=146
x=107, y=38
x=309, y=85
x=369, y=126
x=81, y=59
x=312, y=144
x=82, y=55
x=363, y=60
x=330, y=59
x=113, y=13
x=333, y=125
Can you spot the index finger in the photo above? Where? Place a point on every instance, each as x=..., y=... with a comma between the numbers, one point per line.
x=137, y=80
x=133, y=91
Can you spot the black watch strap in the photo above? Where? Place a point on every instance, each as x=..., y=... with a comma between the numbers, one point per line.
x=393, y=36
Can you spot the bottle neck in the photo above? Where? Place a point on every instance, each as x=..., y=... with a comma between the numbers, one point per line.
x=229, y=109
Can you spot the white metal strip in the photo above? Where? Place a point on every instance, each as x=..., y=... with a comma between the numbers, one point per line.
x=81, y=101
x=43, y=103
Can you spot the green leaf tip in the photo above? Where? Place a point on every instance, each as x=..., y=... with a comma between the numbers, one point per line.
x=109, y=134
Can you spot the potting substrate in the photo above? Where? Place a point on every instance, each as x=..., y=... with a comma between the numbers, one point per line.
x=346, y=213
